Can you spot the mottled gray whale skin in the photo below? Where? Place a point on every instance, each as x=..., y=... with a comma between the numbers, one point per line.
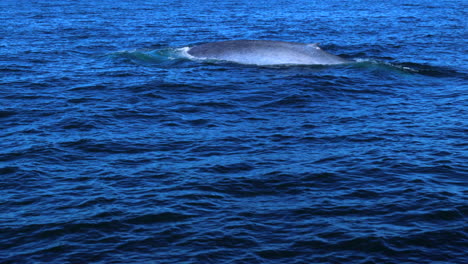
x=265, y=52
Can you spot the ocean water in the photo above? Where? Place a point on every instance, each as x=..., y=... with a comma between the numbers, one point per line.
x=116, y=148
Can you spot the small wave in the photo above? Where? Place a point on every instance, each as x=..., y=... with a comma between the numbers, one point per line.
x=7, y=113
x=165, y=56
x=160, y=217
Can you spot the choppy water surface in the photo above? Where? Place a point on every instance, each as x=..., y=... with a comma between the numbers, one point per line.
x=115, y=148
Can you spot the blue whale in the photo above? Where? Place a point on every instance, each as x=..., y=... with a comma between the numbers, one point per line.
x=265, y=52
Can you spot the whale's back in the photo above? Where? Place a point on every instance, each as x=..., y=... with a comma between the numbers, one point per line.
x=263, y=52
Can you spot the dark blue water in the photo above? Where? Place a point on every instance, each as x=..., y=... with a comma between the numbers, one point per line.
x=114, y=148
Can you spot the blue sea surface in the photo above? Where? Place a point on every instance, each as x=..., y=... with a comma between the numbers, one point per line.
x=116, y=148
